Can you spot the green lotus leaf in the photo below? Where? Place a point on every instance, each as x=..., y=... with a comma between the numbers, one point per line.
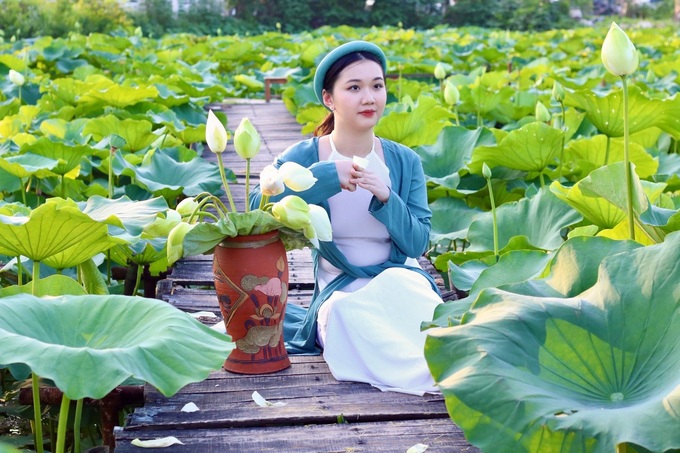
x=122, y=96
x=137, y=133
x=609, y=182
x=573, y=268
x=595, y=210
x=451, y=218
x=589, y=154
x=420, y=125
x=70, y=132
x=515, y=266
x=52, y=285
x=669, y=170
x=606, y=112
x=50, y=229
x=164, y=176
x=88, y=345
x=585, y=373
x=27, y=165
x=537, y=220
x=69, y=157
x=453, y=149
x=532, y=148
x=169, y=97
x=97, y=240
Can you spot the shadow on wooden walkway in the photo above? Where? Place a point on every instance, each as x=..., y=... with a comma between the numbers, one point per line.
x=320, y=414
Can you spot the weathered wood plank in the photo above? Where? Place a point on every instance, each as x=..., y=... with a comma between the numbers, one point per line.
x=441, y=436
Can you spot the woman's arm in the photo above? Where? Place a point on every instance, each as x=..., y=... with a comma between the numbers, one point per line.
x=305, y=153
x=406, y=213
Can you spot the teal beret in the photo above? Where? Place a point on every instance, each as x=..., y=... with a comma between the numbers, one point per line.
x=339, y=52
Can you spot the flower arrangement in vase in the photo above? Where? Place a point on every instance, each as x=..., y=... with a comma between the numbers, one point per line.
x=249, y=248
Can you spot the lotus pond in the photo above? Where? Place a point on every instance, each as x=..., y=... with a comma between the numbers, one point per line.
x=566, y=339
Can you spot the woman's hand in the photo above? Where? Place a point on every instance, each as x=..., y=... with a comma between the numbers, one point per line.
x=368, y=180
x=345, y=168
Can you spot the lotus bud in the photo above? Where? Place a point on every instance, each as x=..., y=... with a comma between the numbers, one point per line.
x=440, y=71
x=215, y=134
x=187, y=206
x=321, y=223
x=246, y=140
x=162, y=226
x=296, y=177
x=451, y=93
x=542, y=113
x=486, y=171
x=360, y=162
x=16, y=78
x=293, y=212
x=619, y=55
x=558, y=91
x=271, y=183
x=175, y=245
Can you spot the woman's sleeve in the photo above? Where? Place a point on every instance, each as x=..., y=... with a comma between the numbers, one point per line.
x=304, y=153
x=407, y=214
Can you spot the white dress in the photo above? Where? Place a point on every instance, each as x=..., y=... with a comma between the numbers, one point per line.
x=370, y=331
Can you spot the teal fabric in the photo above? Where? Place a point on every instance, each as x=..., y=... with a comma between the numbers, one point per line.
x=339, y=52
x=406, y=216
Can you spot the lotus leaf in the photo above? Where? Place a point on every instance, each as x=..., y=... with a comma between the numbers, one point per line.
x=50, y=229
x=164, y=176
x=88, y=345
x=137, y=133
x=531, y=148
x=451, y=219
x=584, y=373
x=606, y=112
x=420, y=125
x=453, y=150
x=537, y=220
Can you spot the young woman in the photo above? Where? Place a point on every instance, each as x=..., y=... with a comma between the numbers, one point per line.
x=370, y=295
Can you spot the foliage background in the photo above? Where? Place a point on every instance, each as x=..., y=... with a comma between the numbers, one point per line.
x=33, y=18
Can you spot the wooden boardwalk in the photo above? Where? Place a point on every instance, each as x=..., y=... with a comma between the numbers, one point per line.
x=320, y=413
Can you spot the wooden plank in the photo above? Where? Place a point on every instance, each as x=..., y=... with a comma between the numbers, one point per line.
x=441, y=436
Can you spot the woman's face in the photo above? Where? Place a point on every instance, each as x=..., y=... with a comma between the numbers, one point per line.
x=358, y=96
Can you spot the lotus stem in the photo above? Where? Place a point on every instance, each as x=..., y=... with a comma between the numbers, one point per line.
x=37, y=413
x=35, y=278
x=626, y=159
x=23, y=192
x=563, y=127
x=264, y=199
x=455, y=110
x=247, y=184
x=110, y=188
x=138, y=280
x=493, y=216
x=225, y=183
x=76, y=426
x=63, y=421
x=606, y=152
x=20, y=271
x=63, y=187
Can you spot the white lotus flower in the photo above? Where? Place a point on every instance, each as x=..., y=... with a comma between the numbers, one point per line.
x=619, y=55
x=215, y=134
x=296, y=177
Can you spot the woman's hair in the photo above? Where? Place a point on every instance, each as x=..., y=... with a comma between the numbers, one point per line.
x=328, y=124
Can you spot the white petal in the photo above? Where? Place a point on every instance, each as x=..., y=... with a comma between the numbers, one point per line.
x=260, y=401
x=156, y=443
x=190, y=407
x=203, y=314
x=418, y=448
x=361, y=162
